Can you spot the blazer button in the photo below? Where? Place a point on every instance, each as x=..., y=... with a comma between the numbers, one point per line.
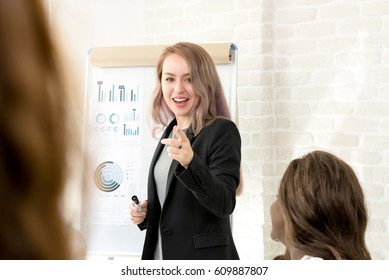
x=166, y=231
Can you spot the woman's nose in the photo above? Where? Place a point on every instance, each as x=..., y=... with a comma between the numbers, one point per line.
x=179, y=86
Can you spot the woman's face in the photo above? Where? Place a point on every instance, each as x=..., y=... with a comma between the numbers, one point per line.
x=277, y=220
x=177, y=89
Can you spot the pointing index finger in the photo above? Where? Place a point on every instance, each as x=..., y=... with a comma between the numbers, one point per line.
x=181, y=136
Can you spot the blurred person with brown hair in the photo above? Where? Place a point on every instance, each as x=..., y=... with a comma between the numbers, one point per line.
x=34, y=141
x=320, y=210
x=195, y=171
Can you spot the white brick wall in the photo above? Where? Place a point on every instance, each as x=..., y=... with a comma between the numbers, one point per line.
x=330, y=58
x=313, y=74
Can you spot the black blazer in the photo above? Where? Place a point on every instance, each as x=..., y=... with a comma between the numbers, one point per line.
x=195, y=219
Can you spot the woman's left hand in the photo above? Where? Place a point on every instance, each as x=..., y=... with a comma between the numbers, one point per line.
x=179, y=149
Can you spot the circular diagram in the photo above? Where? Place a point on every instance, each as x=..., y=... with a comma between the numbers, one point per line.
x=108, y=176
x=100, y=118
x=114, y=118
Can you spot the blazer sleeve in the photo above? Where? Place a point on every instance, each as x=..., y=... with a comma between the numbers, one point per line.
x=214, y=173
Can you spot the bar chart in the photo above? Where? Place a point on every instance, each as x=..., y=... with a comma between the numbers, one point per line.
x=117, y=109
x=116, y=93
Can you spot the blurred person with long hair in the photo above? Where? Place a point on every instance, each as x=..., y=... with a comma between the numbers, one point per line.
x=320, y=210
x=34, y=141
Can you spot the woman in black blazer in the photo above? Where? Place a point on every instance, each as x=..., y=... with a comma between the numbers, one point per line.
x=195, y=170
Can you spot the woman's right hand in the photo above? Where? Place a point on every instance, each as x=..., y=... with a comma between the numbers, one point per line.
x=137, y=216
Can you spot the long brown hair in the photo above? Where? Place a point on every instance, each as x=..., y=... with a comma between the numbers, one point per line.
x=206, y=84
x=34, y=135
x=324, y=206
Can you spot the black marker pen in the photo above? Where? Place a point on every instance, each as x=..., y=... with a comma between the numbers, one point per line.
x=136, y=203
